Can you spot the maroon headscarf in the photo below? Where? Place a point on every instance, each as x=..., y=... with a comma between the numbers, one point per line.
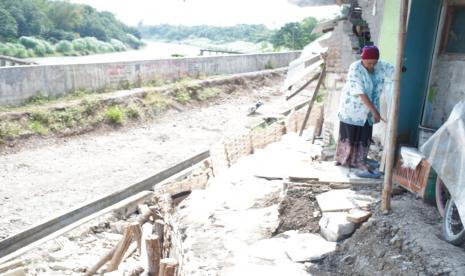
x=370, y=52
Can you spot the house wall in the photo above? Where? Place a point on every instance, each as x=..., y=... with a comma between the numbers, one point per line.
x=342, y=52
x=447, y=85
x=373, y=14
x=388, y=30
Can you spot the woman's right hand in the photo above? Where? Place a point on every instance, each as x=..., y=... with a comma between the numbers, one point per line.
x=377, y=117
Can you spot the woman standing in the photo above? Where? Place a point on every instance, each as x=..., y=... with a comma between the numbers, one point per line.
x=359, y=110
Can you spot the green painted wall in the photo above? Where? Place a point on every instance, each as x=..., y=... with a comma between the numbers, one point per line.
x=389, y=31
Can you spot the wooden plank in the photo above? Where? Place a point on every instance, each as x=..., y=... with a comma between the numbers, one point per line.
x=47, y=227
x=312, y=100
x=11, y=265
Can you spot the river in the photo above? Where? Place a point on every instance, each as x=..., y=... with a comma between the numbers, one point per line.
x=153, y=50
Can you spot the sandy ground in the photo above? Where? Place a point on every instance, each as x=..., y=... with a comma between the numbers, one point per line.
x=47, y=176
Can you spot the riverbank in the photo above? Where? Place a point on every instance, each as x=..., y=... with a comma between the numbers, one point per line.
x=152, y=50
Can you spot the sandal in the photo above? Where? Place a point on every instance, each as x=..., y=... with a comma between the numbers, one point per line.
x=368, y=174
x=372, y=163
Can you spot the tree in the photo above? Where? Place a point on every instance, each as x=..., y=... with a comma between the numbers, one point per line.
x=8, y=28
x=295, y=35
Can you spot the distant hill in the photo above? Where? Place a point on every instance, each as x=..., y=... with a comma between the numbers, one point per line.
x=291, y=36
x=44, y=27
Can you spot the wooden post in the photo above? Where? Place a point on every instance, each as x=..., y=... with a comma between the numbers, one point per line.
x=315, y=93
x=137, y=232
x=394, y=114
x=120, y=249
x=146, y=232
x=159, y=229
x=168, y=267
x=153, y=254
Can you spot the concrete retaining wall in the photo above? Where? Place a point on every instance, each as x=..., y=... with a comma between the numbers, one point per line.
x=18, y=84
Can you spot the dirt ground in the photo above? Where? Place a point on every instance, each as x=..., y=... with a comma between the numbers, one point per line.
x=41, y=177
x=407, y=241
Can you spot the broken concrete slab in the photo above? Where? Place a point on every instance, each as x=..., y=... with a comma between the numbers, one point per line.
x=335, y=226
x=307, y=247
x=343, y=200
x=327, y=172
x=358, y=216
x=291, y=245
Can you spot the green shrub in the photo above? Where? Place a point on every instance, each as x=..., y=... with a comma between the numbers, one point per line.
x=64, y=47
x=29, y=42
x=40, y=47
x=134, y=42
x=118, y=45
x=115, y=115
x=79, y=44
x=22, y=53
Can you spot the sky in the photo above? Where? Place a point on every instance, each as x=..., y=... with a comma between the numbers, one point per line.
x=272, y=13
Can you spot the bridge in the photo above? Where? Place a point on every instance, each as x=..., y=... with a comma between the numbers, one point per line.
x=6, y=61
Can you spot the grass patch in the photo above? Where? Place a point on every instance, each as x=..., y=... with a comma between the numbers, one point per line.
x=38, y=128
x=182, y=95
x=39, y=99
x=9, y=130
x=90, y=107
x=320, y=97
x=207, y=93
x=157, y=102
x=133, y=112
x=115, y=115
x=88, y=111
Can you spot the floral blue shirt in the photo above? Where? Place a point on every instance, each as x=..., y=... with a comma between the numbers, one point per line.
x=351, y=108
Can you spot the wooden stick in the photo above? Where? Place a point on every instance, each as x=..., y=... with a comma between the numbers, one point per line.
x=102, y=261
x=132, y=248
x=394, y=114
x=303, y=86
x=315, y=93
x=137, y=232
x=120, y=249
x=152, y=244
x=168, y=267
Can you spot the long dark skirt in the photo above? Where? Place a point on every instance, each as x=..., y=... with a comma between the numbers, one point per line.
x=353, y=144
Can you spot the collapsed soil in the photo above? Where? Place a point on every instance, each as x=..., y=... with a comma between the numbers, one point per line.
x=407, y=241
x=45, y=176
